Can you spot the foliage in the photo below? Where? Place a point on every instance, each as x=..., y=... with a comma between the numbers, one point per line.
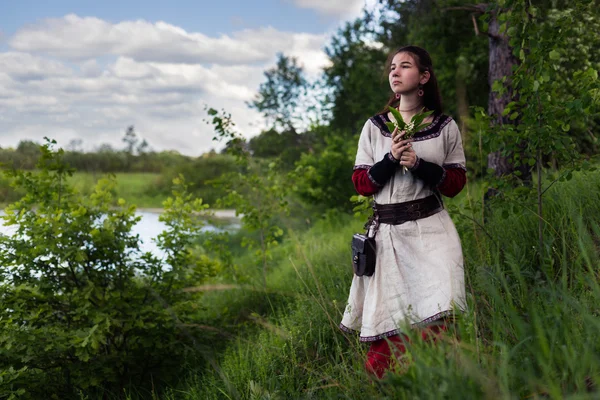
x=84, y=311
x=288, y=145
x=323, y=178
x=199, y=173
x=104, y=159
x=135, y=188
x=355, y=81
x=543, y=111
x=278, y=98
x=257, y=193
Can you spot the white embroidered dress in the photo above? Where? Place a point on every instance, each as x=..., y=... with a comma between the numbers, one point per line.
x=419, y=274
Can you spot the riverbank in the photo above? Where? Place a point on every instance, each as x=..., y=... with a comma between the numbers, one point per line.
x=220, y=214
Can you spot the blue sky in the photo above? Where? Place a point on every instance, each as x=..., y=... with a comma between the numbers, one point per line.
x=210, y=17
x=82, y=70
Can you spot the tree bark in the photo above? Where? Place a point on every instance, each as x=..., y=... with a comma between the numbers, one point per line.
x=501, y=62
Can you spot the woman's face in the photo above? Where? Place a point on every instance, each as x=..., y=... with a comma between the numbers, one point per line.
x=404, y=75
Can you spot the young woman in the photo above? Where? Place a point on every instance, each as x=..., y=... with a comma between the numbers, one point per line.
x=419, y=279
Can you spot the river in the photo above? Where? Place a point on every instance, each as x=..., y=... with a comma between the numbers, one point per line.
x=149, y=227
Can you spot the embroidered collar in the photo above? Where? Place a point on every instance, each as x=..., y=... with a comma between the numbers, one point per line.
x=430, y=131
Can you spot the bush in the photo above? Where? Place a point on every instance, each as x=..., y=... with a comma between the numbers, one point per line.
x=84, y=312
x=324, y=178
x=201, y=173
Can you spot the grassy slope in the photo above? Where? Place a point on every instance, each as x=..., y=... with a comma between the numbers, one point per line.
x=524, y=335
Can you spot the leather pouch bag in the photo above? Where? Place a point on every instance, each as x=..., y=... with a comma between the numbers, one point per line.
x=363, y=254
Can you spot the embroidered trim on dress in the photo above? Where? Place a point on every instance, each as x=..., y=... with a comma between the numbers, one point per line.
x=373, y=179
x=361, y=166
x=397, y=331
x=418, y=136
x=431, y=131
x=392, y=158
x=346, y=329
x=382, y=127
x=455, y=166
x=414, y=167
x=442, y=179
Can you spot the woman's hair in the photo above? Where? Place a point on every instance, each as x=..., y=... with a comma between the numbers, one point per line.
x=431, y=98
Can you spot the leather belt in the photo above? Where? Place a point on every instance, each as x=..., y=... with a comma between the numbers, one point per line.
x=398, y=213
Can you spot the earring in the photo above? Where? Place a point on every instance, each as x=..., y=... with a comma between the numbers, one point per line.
x=397, y=96
x=420, y=93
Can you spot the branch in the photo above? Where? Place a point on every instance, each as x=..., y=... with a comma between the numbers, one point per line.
x=556, y=180
x=478, y=224
x=475, y=24
x=475, y=9
x=478, y=8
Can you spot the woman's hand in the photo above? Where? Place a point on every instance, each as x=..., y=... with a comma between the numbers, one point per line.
x=402, y=150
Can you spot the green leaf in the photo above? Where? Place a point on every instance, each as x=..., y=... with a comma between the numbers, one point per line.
x=398, y=117
x=497, y=86
x=418, y=118
x=554, y=55
x=390, y=126
x=514, y=115
x=395, y=113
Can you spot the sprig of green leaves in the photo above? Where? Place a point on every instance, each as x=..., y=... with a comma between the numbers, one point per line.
x=414, y=126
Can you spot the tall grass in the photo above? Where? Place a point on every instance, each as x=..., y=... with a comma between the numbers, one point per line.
x=531, y=329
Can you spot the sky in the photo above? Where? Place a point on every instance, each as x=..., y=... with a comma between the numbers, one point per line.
x=86, y=70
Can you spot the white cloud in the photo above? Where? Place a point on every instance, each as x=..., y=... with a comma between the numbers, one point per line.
x=337, y=8
x=25, y=67
x=90, y=69
x=85, y=78
x=164, y=101
x=80, y=38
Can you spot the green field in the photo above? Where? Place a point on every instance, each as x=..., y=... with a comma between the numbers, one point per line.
x=134, y=187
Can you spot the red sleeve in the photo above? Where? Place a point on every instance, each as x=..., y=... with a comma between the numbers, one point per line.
x=363, y=183
x=453, y=182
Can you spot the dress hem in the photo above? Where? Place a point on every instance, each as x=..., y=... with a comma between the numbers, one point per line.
x=397, y=331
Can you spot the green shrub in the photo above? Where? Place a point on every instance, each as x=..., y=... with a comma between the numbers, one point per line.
x=84, y=312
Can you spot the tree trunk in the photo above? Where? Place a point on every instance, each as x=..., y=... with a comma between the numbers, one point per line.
x=501, y=62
